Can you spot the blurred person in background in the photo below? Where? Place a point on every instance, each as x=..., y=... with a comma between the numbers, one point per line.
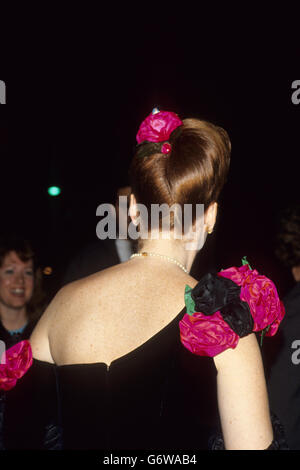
x=104, y=253
x=284, y=363
x=22, y=300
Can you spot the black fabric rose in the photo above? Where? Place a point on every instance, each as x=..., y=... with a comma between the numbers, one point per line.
x=215, y=293
x=238, y=316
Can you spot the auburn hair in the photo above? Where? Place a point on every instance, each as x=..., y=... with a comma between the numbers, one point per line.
x=194, y=172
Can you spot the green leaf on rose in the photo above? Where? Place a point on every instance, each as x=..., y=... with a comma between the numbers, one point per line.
x=245, y=261
x=262, y=335
x=189, y=302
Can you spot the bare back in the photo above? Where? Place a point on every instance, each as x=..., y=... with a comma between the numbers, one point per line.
x=109, y=314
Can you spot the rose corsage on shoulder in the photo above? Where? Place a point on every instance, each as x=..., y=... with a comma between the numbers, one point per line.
x=229, y=305
x=15, y=362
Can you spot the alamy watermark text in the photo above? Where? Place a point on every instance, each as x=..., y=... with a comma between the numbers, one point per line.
x=2, y=92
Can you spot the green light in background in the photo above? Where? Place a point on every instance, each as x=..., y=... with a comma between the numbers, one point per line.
x=54, y=191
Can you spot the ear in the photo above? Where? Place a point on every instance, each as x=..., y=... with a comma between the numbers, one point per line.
x=132, y=208
x=210, y=217
x=296, y=273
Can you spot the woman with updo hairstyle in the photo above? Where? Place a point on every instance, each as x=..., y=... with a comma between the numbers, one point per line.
x=133, y=362
x=194, y=173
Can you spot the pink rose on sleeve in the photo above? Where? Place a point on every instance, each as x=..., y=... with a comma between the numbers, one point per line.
x=18, y=359
x=218, y=313
x=261, y=295
x=206, y=336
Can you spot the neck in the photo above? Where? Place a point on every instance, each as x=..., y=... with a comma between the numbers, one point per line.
x=172, y=249
x=12, y=318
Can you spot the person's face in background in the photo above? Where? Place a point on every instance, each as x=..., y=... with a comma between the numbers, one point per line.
x=16, y=281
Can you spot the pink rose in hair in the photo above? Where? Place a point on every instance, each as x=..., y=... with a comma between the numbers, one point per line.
x=158, y=126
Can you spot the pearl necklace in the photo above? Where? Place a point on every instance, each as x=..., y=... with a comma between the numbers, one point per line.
x=167, y=258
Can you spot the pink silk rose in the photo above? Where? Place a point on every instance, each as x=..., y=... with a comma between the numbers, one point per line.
x=210, y=333
x=158, y=126
x=18, y=359
x=206, y=335
x=261, y=295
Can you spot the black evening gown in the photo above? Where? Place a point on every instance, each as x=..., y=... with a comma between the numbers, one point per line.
x=159, y=396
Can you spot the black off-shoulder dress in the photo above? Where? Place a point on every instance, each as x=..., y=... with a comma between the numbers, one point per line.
x=159, y=396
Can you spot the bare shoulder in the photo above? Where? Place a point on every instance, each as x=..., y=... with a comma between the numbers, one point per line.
x=84, y=313
x=67, y=311
x=191, y=281
x=56, y=310
x=246, y=351
x=73, y=296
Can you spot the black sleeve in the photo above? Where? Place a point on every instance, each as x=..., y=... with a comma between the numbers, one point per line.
x=2, y=408
x=30, y=411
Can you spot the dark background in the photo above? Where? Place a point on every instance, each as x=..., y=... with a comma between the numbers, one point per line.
x=74, y=107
